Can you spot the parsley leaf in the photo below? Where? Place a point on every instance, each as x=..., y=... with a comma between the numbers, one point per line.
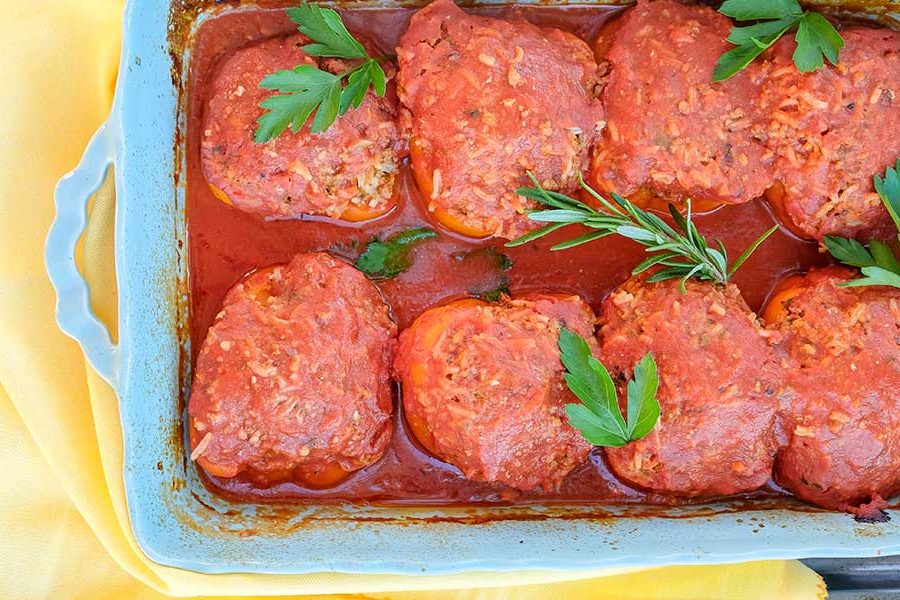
x=740, y=36
x=497, y=284
x=816, y=37
x=305, y=88
x=751, y=10
x=388, y=258
x=643, y=407
x=494, y=257
x=736, y=59
x=494, y=294
x=326, y=29
x=598, y=417
x=876, y=261
x=849, y=251
x=875, y=276
x=888, y=188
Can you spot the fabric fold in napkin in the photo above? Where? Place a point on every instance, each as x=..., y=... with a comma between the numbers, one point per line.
x=62, y=506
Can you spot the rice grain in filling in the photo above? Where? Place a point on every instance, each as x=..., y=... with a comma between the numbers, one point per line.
x=718, y=387
x=347, y=172
x=830, y=131
x=671, y=132
x=292, y=382
x=486, y=100
x=483, y=389
x=842, y=370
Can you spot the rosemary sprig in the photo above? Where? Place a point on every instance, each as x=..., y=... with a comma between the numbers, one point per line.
x=680, y=249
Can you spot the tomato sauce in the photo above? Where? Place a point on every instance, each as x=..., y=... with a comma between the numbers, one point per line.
x=226, y=244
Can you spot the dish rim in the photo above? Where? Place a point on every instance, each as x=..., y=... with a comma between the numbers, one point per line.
x=137, y=369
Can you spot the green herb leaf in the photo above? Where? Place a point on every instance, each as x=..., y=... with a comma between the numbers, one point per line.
x=753, y=10
x=877, y=261
x=355, y=91
x=581, y=239
x=598, y=417
x=328, y=109
x=309, y=87
x=537, y=233
x=883, y=256
x=326, y=29
x=593, y=427
x=751, y=249
x=736, y=59
x=282, y=111
x=643, y=407
x=848, y=251
x=680, y=249
x=304, y=78
x=496, y=258
x=816, y=37
x=558, y=216
x=588, y=378
x=760, y=31
x=378, y=78
x=875, y=276
x=306, y=88
x=653, y=261
x=496, y=284
x=388, y=258
x=493, y=294
x=888, y=188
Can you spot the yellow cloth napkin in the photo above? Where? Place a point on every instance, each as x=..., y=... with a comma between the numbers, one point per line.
x=64, y=530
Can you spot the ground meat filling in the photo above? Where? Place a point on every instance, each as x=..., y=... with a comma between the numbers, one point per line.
x=483, y=388
x=671, y=132
x=830, y=131
x=348, y=172
x=717, y=390
x=487, y=100
x=293, y=380
x=842, y=364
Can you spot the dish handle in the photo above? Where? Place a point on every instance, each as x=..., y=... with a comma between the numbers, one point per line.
x=73, y=309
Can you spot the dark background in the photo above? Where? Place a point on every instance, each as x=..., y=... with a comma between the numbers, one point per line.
x=859, y=578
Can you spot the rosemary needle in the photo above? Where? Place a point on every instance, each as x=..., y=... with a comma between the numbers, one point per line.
x=679, y=249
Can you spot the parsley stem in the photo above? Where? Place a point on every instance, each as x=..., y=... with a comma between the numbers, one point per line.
x=364, y=62
x=362, y=65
